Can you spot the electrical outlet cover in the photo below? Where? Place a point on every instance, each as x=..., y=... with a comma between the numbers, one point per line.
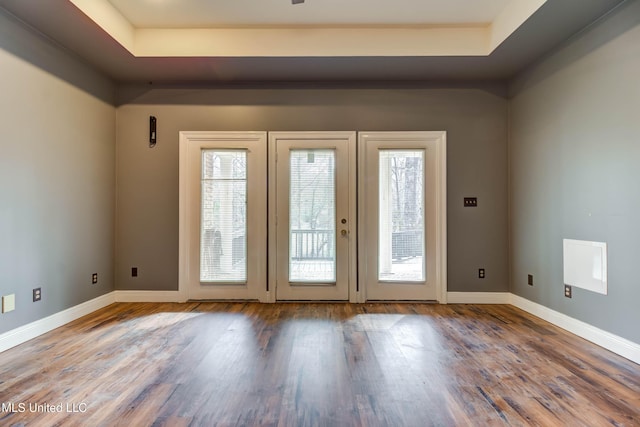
x=567, y=291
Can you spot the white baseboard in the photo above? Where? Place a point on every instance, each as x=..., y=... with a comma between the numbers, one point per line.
x=478, y=297
x=149, y=296
x=611, y=342
x=32, y=330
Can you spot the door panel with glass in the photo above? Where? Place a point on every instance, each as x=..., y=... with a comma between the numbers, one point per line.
x=400, y=222
x=223, y=210
x=313, y=207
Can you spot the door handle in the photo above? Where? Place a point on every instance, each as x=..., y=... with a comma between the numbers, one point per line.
x=344, y=233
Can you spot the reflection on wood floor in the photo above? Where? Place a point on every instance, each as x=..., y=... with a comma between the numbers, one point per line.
x=246, y=364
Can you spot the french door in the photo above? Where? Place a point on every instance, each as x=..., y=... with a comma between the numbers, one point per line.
x=274, y=218
x=402, y=221
x=223, y=205
x=312, y=215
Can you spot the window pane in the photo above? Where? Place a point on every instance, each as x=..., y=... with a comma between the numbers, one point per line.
x=312, y=233
x=401, y=216
x=223, y=226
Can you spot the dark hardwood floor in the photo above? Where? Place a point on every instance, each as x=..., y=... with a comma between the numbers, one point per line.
x=246, y=364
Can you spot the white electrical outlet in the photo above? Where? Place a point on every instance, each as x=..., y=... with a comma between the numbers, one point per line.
x=8, y=303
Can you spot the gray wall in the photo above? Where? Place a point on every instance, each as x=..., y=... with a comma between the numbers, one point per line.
x=574, y=154
x=57, y=177
x=473, y=115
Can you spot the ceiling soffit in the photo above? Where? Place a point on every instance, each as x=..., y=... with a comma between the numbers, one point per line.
x=315, y=39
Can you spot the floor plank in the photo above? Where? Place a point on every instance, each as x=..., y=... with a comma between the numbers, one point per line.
x=250, y=364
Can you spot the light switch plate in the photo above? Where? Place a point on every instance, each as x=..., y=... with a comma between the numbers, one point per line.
x=8, y=303
x=470, y=202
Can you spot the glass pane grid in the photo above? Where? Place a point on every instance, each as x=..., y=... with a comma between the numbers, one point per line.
x=401, y=216
x=223, y=226
x=312, y=233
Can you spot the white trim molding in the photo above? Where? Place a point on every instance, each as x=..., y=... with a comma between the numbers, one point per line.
x=478, y=297
x=611, y=342
x=32, y=330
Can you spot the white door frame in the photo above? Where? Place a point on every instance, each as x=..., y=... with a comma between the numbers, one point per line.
x=351, y=217
x=438, y=139
x=191, y=145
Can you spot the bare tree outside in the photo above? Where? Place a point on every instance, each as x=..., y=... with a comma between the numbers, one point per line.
x=401, y=216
